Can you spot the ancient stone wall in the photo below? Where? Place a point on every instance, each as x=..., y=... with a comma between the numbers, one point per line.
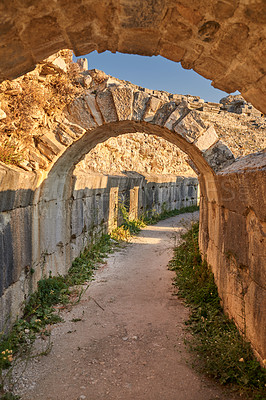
x=233, y=232
x=221, y=40
x=37, y=236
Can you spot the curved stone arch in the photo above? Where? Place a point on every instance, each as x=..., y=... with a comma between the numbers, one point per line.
x=221, y=40
x=111, y=108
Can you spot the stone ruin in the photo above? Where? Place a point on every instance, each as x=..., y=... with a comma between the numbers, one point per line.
x=237, y=104
x=223, y=41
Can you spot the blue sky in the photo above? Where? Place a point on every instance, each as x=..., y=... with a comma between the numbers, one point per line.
x=155, y=73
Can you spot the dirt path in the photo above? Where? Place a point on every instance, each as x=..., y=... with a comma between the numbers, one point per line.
x=129, y=342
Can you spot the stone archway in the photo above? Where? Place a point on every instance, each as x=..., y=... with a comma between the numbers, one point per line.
x=231, y=213
x=221, y=40
x=110, y=108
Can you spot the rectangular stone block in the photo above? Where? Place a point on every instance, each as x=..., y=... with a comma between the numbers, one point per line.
x=139, y=105
x=79, y=113
x=207, y=139
x=151, y=108
x=219, y=156
x=106, y=104
x=174, y=117
x=91, y=102
x=123, y=100
x=191, y=126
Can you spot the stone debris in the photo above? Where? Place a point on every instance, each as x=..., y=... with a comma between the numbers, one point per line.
x=237, y=104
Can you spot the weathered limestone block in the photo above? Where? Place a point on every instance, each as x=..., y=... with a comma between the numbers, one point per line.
x=255, y=304
x=24, y=164
x=63, y=129
x=123, y=100
x=256, y=231
x=79, y=113
x=72, y=129
x=53, y=65
x=106, y=105
x=37, y=160
x=243, y=183
x=49, y=146
x=152, y=106
x=207, y=139
x=91, y=102
x=12, y=178
x=219, y=156
x=20, y=226
x=139, y=105
x=63, y=137
x=176, y=115
x=163, y=113
x=191, y=126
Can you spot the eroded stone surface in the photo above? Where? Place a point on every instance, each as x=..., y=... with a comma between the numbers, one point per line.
x=223, y=41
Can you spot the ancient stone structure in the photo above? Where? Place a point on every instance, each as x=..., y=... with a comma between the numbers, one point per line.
x=221, y=40
x=130, y=108
x=233, y=226
x=238, y=105
x=38, y=237
x=231, y=212
x=34, y=106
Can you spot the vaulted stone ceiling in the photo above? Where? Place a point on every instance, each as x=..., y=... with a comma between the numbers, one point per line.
x=222, y=40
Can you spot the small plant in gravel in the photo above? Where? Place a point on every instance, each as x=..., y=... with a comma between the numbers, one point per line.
x=222, y=353
x=9, y=153
x=10, y=396
x=83, y=266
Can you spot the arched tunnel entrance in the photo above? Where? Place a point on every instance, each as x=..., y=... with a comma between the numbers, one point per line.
x=55, y=195
x=229, y=216
x=114, y=108
x=221, y=41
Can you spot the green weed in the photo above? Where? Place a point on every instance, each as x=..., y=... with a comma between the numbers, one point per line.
x=83, y=266
x=9, y=153
x=9, y=396
x=222, y=353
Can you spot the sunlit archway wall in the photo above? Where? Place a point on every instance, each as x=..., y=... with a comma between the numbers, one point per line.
x=229, y=216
